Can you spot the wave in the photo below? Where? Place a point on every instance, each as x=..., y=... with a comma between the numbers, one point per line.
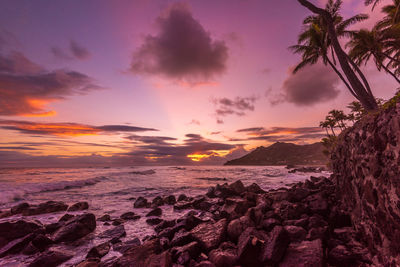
x=146, y=172
x=9, y=195
x=211, y=179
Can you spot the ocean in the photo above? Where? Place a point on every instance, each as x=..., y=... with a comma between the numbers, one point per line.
x=110, y=191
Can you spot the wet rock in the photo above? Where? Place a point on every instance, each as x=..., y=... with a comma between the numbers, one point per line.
x=30, y=249
x=52, y=227
x=50, y=258
x=116, y=232
x=296, y=233
x=105, y=218
x=122, y=247
x=254, y=188
x=41, y=242
x=303, y=254
x=317, y=204
x=205, y=264
x=157, y=201
x=19, y=208
x=341, y=256
x=118, y=221
x=140, y=255
x=66, y=217
x=47, y=207
x=250, y=246
x=237, y=187
x=129, y=216
x=155, y=212
x=5, y=213
x=154, y=220
x=15, y=229
x=141, y=202
x=300, y=222
x=298, y=194
x=163, y=225
x=317, y=233
x=183, y=204
x=344, y=234
x=235, y=207
x=182, y=255
x=182, y=197
x=91, y=262
x=16, y=245
x=275, y=247
x=170, y=200
x=210, y=234
x=211, y=192
x=225, y=255
x=99, y=251
x=317, y=221
x=79, y=206
x=236, y=227
x=75, y=228
x=181, y=238
x=269, y=224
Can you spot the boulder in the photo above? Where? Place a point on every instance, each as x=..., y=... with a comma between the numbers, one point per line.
x=99, y=251
x=236, y=227
x=237, y=187
x=41, y=242
x=50, y=258
x=115, y=233
x=255, y=188
x=47, y=207
x=11, y=230
x=157, y=201
x=317, y=233
x=182, y=237
x=16, y=245
x=154, y=220
x=182, y=197
x=250, y=245
x=275, y=247
x=122, y=247
x=105, y=218
x=210, y=234
x=76, y=228
x=141, y=202
x=304, y=254
x=155, y=212
x=140, y=255
x=66, y=217
x=129, y=216
x=91, y=262
x=163, y=225
x=269, y=224
x=235, y=207
x=170, y=200
x=182, y=255
x=225, y=255
x=317, y=204
x=79, y=206
x=296, y=233
x=19, y=208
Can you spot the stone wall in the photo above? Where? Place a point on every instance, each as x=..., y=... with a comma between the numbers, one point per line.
x=366, y=166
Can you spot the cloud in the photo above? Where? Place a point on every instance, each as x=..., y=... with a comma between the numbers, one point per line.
x=238, y=106
x=196, y=122
x=182, y=49
x=66, y=129
x=74, y=51
x=310, y=85
x=254, y=129
x=26, y=87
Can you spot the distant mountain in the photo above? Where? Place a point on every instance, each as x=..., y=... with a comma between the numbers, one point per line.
x=282, y=153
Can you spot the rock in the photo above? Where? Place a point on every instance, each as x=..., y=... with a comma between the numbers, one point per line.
x=91, y=262
x=205, y=264
x=164, y=224
x=15, y=229
x=269, y=224
x=155, y=212
x=118, y=221
x=236, y=227
x=300, y=222
x=41, y=242
x=235, y=207
x=274, y=249
x=317, y=233
x=223, y=257
x=122, y=247
x=105, y=218
x=317, y=204
x=250, y=246
x=50, y=258
x=16, y=245
x=183, y=254
x=237, y=187
x=76, y=228
x=296, y=233
x=298, y=194
x=30, y=249
x=255, y=188
x=169, y=232
x=157, y=201
x=182, y=205
x=154, y=220
x=52, y=227
x=79, y=206
x=170, y=200
x=210, y=234
x=19, y=208
x=181, y=238
x=66, y=217
x=341, y=256
x=47, y=207
x=182, y=197
x=99, y=251
x=141, y=202
x=317, y=221
x=116, y=232
x=5, y=213
x=344, y=234
x=142, y=255
x=129, y=216
x=303, y=254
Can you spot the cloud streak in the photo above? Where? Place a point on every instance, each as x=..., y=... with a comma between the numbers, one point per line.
x=237, y=106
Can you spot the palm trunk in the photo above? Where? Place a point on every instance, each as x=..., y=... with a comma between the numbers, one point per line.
x=364, y=96
x=341, y=77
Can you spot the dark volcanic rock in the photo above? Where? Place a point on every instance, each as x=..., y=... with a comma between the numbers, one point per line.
x=304, y=254
x=79, y=206
x=76, y=228
x=317, y=203
x=129, y=216
x=105, y=218
x=296, y=233
x=146, y=254
x=19, y=208
x=210, y=234
x=50, y=258
x=99, y=251
x=16, y=229
x=154, y=220
x=182, y=255
x=181, y=238
x=170, y=200
x=16, y=245
x=47, y=207
x=224, y=257
x=141, y=202
x=237, y=187
x=41, y=242
x=250, y=247
x=237, y=226
x=255, y=188
x=116, y=232
x=125, y=246
x=155, y=212
x=66, y=217
x=274, y=249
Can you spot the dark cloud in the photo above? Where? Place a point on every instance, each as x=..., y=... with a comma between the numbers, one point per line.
x=16, y=148
x=26, y=87
x=66, y=129
x=310, y=85
x=181, y=50
x=213, y=133
x=238, y=106
x=254, y=129
x=160, y=140
x=74, y=51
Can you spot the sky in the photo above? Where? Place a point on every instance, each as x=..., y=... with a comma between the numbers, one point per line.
x=105, y=83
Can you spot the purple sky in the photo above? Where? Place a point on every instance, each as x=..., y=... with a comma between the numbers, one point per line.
x=159, y=82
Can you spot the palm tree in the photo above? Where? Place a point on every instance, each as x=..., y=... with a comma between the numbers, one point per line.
x=356, y=109
x=365, y=44
x=338, y=117
x=358, y=84
x=392, y=18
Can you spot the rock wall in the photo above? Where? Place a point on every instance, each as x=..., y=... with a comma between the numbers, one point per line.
x=366, y=166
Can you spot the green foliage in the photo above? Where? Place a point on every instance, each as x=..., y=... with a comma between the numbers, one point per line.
x=392, y=102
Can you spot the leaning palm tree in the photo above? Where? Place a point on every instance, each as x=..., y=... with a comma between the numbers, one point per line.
x=366, y=44
x=392, y=18
x=359, y=84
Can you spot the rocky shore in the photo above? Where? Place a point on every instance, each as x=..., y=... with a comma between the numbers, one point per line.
x=232, y=225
